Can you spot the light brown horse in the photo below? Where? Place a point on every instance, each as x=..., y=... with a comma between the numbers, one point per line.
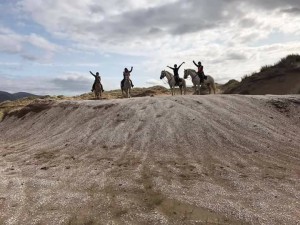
x=98, y=87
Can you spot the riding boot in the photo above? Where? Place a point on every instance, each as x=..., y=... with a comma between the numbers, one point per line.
x=201, y=78
x=177, y=81
x=93, y=88
x=131, y=83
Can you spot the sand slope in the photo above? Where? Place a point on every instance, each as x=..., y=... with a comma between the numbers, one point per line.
x=164, y=160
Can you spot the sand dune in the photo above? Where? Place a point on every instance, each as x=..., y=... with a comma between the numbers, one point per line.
x=163, y=160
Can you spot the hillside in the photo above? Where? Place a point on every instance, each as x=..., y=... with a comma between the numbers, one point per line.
x=218, y=159
x=113, y=94
x=280, y=79
x=4, y=96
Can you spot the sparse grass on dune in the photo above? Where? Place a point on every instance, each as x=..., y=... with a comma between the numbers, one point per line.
x=280, y=78
x=9, y=106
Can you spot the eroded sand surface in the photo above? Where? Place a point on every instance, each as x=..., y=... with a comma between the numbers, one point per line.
x=222, y=159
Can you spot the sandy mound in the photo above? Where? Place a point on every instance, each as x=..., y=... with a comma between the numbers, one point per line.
x=280, y=79
x=163, y=160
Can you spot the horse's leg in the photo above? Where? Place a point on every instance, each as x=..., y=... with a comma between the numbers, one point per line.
x=214, y=87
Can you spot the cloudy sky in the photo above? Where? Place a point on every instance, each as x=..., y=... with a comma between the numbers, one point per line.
x=49, y=46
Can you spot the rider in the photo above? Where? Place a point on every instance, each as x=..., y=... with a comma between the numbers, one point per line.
x=127, y=73
x=97, y=74
x=200, y=72
x=175, y=71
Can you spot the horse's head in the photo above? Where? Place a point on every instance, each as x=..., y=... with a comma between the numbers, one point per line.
x=163, y=74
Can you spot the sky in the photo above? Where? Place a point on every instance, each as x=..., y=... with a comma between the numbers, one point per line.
x=49, y=46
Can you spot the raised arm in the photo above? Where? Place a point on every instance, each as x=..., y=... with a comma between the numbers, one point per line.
x=195, y=63
x=171, y=67
x=181, y=65
x=92, y=74
x=131, y=70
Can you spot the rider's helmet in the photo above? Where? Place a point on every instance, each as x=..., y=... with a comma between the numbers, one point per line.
x=126, y=70
x=97, y=74
x=175, y=66
x=199, y=63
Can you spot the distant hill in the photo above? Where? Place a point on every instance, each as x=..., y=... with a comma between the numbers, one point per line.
x=280, y=79
x=4, y=96
x=231, y=84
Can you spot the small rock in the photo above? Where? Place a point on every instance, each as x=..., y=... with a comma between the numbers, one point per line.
x=68, y=167
x=45, y=168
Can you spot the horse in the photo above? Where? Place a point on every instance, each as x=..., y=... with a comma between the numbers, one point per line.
x=172, y=82
x=209, y=81
x=98, y=87
x=126, y=89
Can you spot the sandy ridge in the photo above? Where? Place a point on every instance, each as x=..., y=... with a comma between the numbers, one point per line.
x=225, y=159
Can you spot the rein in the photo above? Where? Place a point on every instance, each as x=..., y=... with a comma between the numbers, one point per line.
x=164, y=81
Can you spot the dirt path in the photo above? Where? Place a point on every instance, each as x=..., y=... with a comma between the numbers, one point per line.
x=222, y=159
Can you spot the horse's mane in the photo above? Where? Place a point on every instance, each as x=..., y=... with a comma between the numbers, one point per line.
x=192, y=70
x=168, y=72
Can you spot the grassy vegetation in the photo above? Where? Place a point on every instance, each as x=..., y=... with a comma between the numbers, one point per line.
x=287, y=62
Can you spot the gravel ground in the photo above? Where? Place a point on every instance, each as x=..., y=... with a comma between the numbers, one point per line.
x=218, y=159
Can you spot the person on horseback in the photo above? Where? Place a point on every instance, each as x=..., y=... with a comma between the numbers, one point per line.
x=200, y=72
x=175, y=72
x=97, y=75
x=127, y=73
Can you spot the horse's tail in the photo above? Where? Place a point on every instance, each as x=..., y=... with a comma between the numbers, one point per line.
x=213, y=84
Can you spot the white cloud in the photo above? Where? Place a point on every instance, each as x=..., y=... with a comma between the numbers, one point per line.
x=14, y=43
x=230, y=37
x=9, y=41
x=42, y=43
x=153, y=82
